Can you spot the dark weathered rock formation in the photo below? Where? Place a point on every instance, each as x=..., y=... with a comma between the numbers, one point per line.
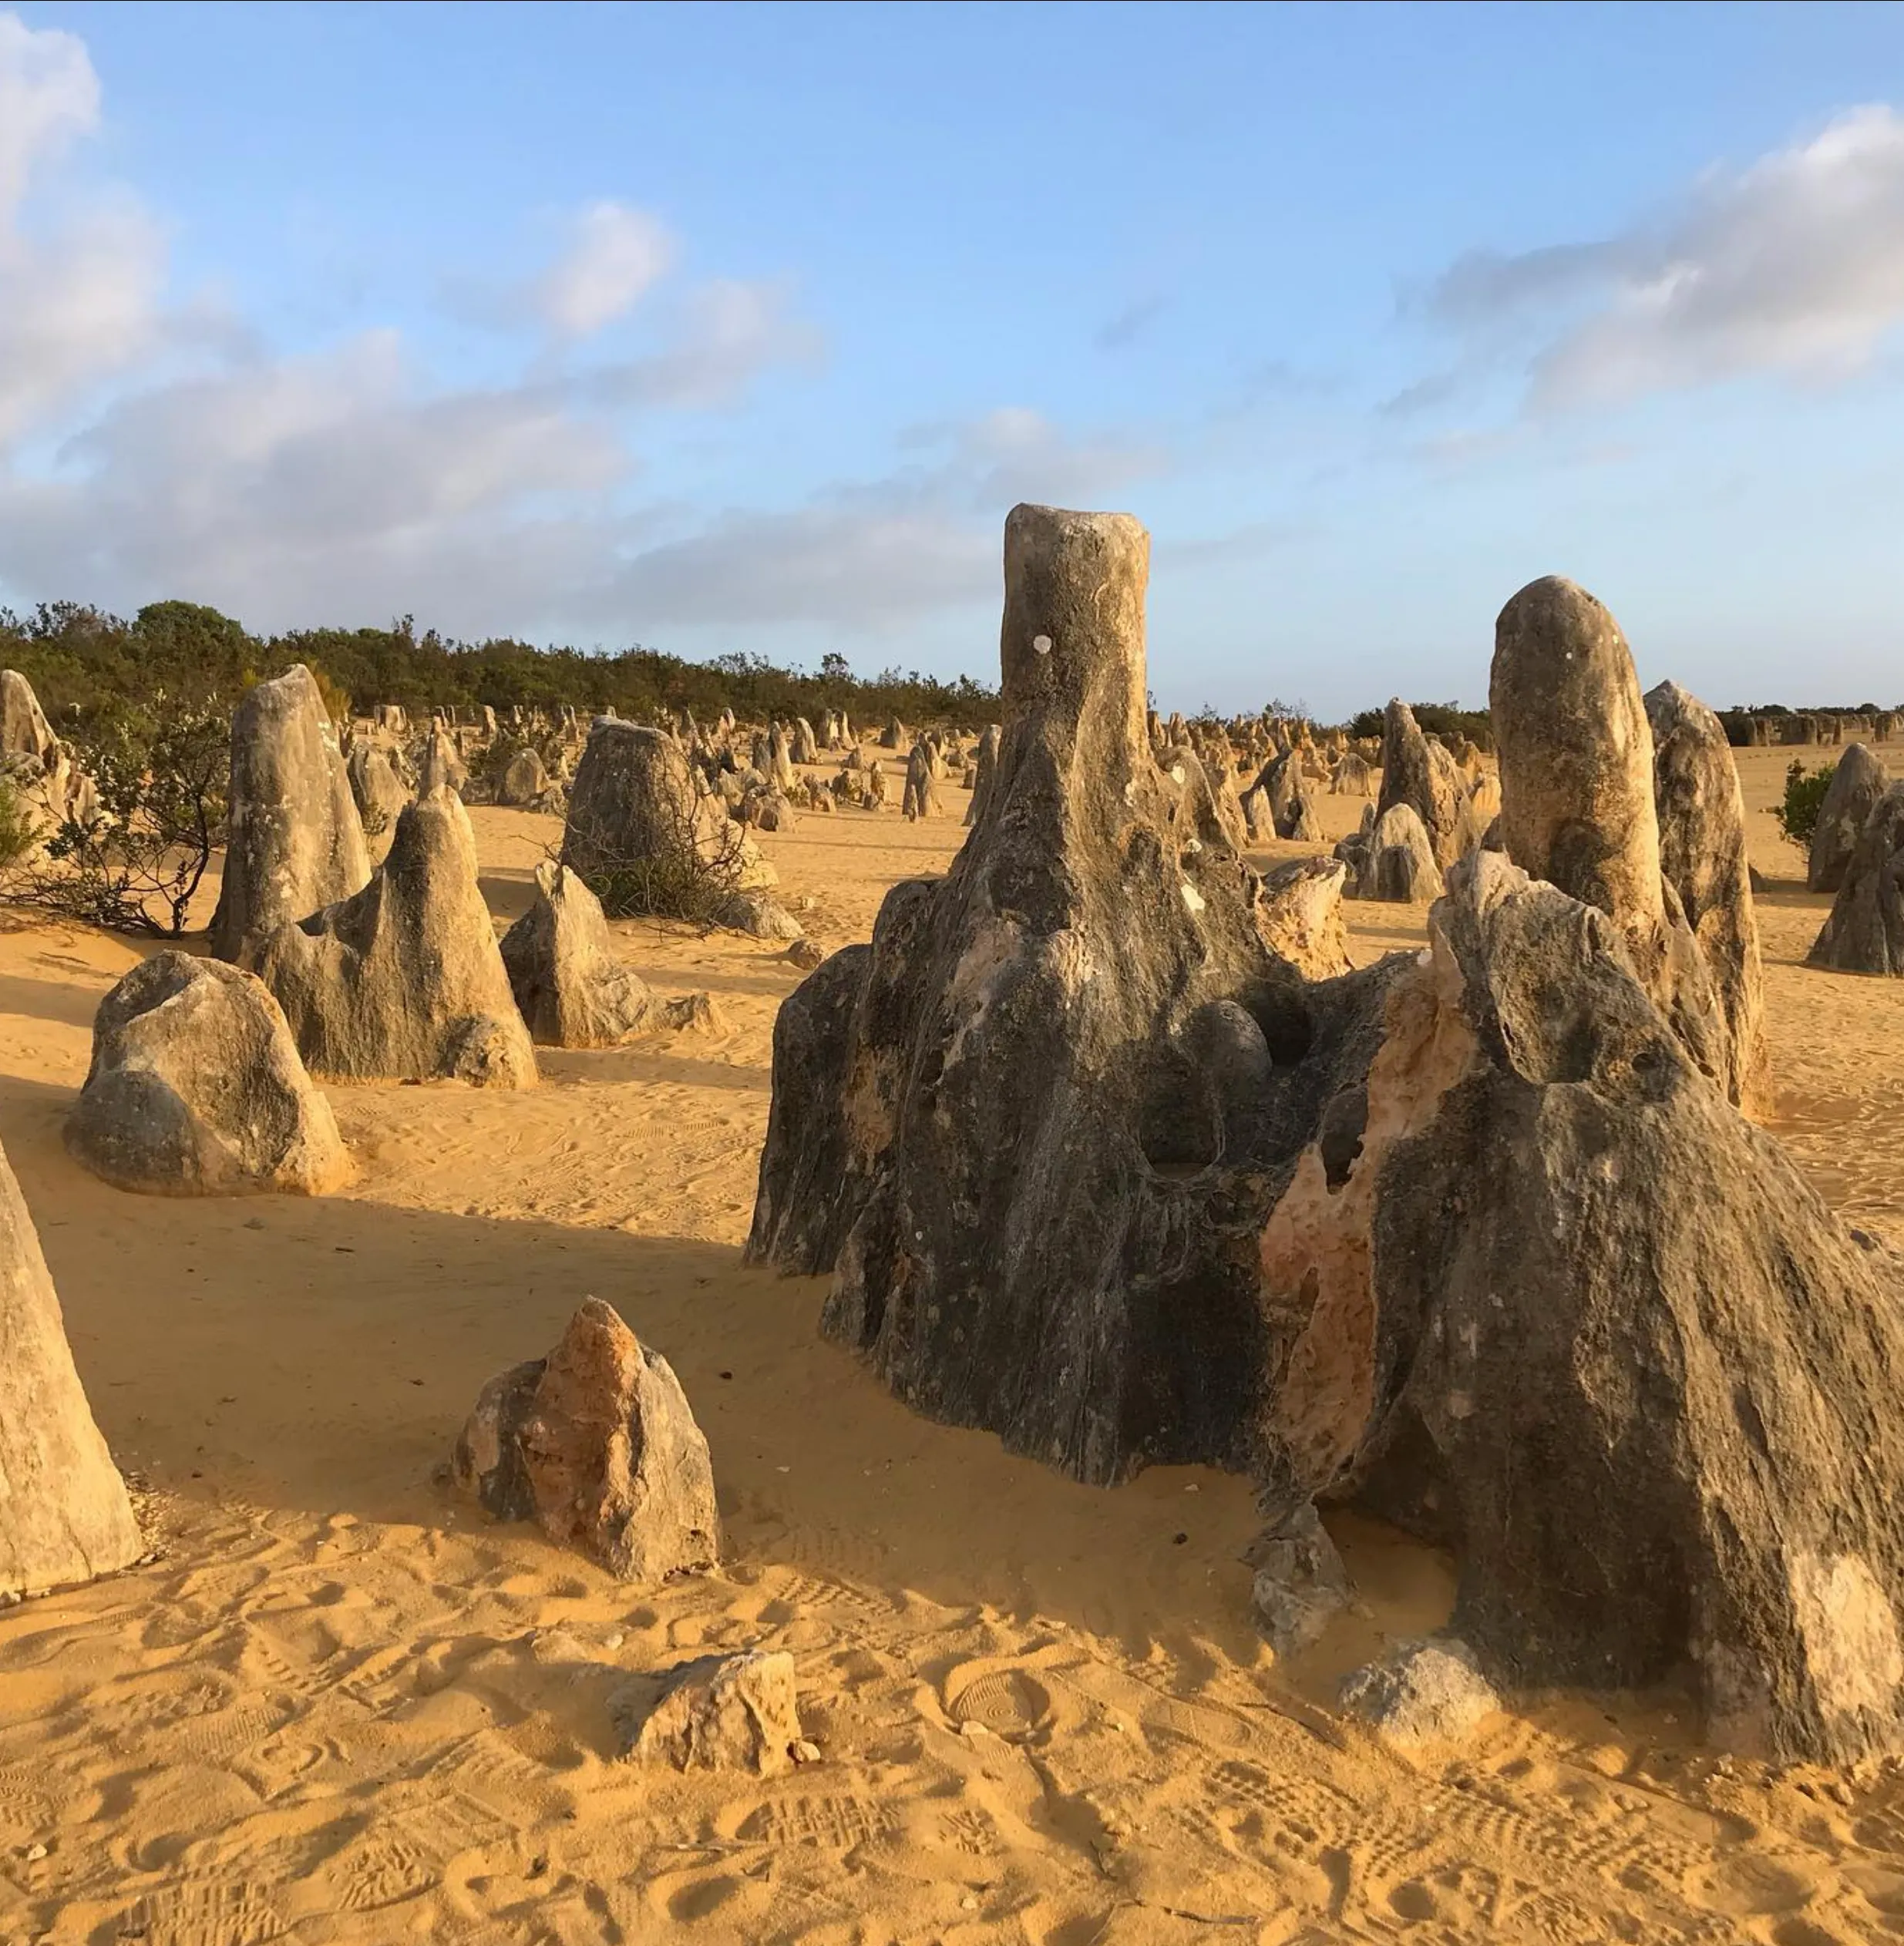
x=1573, y=1316
x=196, y=1089
x=1858, y=781
x=570, y=989
x=920, y=799
x=1864, y=933
x=1024, y=1126
x=595, y=1443
x=404, y=981
x=64, y=1513
x=1703, y=860
x=294, y=841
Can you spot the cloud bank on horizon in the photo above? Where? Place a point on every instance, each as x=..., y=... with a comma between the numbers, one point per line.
x=604, y=443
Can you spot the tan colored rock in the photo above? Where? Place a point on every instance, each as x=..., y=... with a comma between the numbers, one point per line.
x=1417, y=771
x=595, y=1443
x=1859, y=780
x=1703, y=858
x=64, y=1513
x=569, y=986
x=1299, y=914
x=404, y=982
x=294, y=842
x=921, y=799
x=717, y=1712
x=196, y=1089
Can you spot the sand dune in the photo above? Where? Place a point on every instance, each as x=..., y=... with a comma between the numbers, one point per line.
x=343, y=1707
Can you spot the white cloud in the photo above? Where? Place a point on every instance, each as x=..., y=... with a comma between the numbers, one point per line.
x=82, y=301
x=1793, y=265
x=48, y=94
x=724, y=335
x=616, y=256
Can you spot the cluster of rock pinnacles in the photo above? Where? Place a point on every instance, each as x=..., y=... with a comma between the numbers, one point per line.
x=1478, y=1238
x=1106, y=1146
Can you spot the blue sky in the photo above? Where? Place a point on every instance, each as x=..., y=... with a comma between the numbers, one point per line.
x=733, y=326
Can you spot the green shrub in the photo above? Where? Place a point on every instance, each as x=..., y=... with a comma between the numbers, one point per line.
x=1804, y=795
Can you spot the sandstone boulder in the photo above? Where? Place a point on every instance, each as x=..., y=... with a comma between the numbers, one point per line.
x=634, y=813
x=1703, y=860
x=294, y=841
x=404, y=982
x=64, y=1515
x=717, y=1712
x=1299, y=914
x=377, y=790
x=1864, y=933
x=1401, y=868
x=196, y=1089
x=568, y=985
x=1858, y=781
x=595, y=1443
x=525, y=780
x=1418, y=772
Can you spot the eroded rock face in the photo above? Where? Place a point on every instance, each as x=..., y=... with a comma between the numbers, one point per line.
x=379, y=791
x=919, y=799
x=294, y=841
x=1421, y=774
x=404, y=982
x=64, y=1516
x=1864, y=933
x=442, y=767
x=1573, y=1317
x=1031, y=1127
x=633, y=806
x=984, y=762
x=569, y=986
x=1401, y=869
x=1858, y=782
x=597, y=1444
x=24, y=729
x=717, y=1712
x=525, y=780
x=1703, y=859
x=1299, y=913
x=1577, y=799
x=1421, y=1694
x=196, y=1089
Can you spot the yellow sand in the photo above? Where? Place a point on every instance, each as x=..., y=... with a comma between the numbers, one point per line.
x=343, y=1707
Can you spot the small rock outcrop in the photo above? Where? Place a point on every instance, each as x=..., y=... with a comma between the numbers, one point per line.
x=1864, y=933
x=294, y=840
x=1421, y=1694
x=1577, y=798
x=442, y=767
x=404, y=982
x=24, y=729
x=1703, y=859
x=596, y=1443
x=196, y=1089
x=921, y=799
x=633, y=809
x=985, y=760
x=1299, y=914
x=568, y=985
x=1858, y=781
x=65, y=1516
x=525, y=780
x=1401, y=869
x=379, y=791
x=1420, y=773
x=717, y=1712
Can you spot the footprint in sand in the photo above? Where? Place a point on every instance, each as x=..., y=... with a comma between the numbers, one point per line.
x=997, y=1696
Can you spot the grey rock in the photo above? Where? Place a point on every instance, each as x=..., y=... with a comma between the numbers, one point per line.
x=1300, y=1584
x=294, y=842
x=196, y=1089
x=1859, y=780
x=404, y=981
x=65, y=1516
x=1865, y=931
x=1421, y=1694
